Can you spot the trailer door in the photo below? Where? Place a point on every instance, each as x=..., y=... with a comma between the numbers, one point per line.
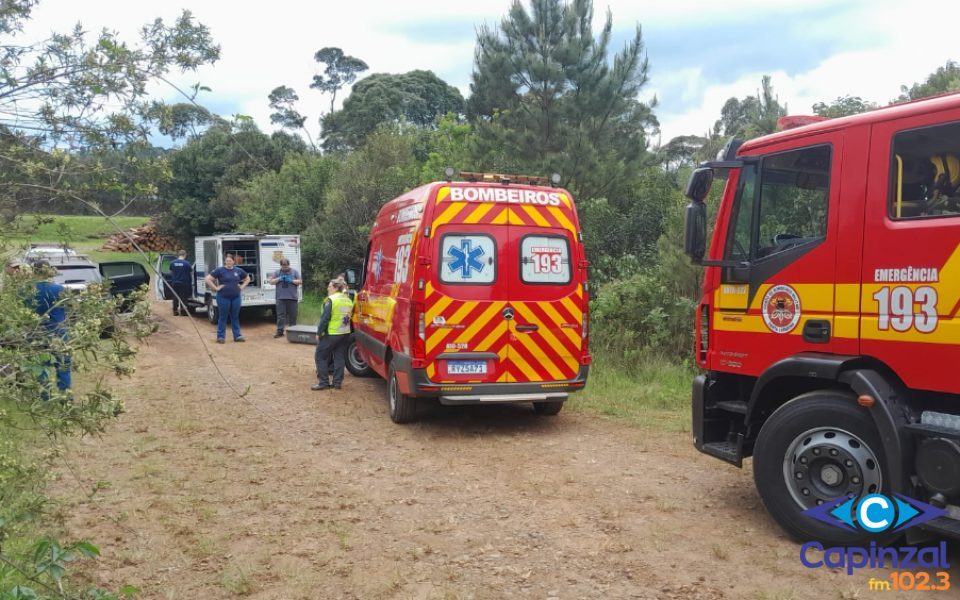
x=212, y=258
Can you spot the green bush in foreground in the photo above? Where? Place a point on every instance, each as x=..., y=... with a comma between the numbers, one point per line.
x=35, y=418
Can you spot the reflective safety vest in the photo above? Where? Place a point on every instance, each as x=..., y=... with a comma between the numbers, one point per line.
x=341, y=310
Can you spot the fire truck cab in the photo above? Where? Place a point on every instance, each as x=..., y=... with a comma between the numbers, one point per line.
x=474, y=292
x=828, y=326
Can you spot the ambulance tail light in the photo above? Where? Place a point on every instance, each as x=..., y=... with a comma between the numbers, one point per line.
x=703, y=337
x=418, y=318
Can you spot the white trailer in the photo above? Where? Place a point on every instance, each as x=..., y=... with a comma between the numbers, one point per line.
x=258, y=255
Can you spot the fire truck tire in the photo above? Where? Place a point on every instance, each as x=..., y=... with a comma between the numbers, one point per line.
x=403, y=408
x=355, y=363
x=819, y=446
x=547, y=408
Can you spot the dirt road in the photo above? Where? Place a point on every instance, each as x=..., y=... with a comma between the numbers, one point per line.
x=289, y=493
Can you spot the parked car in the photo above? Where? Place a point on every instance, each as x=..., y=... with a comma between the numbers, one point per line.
x=76, y=272
x=49, y=252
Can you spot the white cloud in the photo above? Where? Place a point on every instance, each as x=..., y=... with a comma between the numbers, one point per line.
x=273, y=44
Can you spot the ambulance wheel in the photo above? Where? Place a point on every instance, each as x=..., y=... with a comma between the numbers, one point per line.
x=403, y=408
x=213, y=313
x=355, y=363
x=818, y=447
x=547, y=408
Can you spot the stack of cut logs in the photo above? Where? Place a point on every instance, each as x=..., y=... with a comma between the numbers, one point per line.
x=146, y=237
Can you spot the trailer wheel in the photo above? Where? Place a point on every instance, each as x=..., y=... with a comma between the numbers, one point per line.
x=355, y=363
x=820, y=446
x=403, y=408
x=547, y=408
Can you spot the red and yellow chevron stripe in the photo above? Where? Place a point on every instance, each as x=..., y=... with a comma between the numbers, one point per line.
x=550, y=353
x=489, y=213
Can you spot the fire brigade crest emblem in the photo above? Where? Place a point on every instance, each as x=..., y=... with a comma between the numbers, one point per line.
x=781, y=309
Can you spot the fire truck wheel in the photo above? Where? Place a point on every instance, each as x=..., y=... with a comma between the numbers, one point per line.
x=547, y=408
x=403, y=408
x=355, y=363
x=818, y=447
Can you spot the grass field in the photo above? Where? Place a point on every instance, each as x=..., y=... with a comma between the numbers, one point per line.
x=650, y=391
x=72, y=229
x=84, y=234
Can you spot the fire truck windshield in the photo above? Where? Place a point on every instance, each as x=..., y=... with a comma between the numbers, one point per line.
x=780, y=203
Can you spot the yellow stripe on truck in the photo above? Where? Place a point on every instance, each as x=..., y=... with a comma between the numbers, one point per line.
x=571, y=334
x=536, y=351
x=562, y=219
x=556, y=349
x=478, y=213
x=455, y=319
x=534, y=214
x=480, y=322
x=524, y=367
x=498, y=332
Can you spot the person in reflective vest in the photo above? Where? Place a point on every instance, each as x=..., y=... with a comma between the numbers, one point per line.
x=333, y=331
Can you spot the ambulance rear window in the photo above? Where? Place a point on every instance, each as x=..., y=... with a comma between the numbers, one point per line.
x=468, y=259
x=545, y=259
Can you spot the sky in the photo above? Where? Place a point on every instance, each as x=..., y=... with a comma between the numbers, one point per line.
x=700, y=52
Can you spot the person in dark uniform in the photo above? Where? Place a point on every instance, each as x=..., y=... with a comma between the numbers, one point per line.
x=181, y=280
x=333, y=331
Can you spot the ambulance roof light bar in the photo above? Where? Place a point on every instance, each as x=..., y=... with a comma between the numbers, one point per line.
x=508, y=179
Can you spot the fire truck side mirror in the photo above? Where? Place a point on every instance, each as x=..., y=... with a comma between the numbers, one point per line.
x=699, y=185
x=695, y=231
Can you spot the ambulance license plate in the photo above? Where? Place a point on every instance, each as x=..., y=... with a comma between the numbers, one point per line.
x=467, y=367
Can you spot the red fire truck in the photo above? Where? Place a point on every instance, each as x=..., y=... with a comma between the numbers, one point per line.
x=828, y=326
x=474, y=292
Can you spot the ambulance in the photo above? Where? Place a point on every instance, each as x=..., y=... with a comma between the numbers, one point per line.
x=474, y=292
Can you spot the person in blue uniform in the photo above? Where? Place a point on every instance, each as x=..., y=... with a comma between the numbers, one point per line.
x=48, y=302
x=181, y=280
x=228, y=282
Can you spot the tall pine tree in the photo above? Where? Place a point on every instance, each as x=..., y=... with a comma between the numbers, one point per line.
x=547, y=98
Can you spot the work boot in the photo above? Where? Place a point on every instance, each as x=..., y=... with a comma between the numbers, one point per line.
x=278, y=334
x=319, y=386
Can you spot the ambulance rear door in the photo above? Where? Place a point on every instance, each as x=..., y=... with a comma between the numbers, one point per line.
x=546, y=331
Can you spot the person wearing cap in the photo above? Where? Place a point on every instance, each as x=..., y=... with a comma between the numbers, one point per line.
x=333, y=331
x=10, y=268
x=287, y=281
x=181, y=281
